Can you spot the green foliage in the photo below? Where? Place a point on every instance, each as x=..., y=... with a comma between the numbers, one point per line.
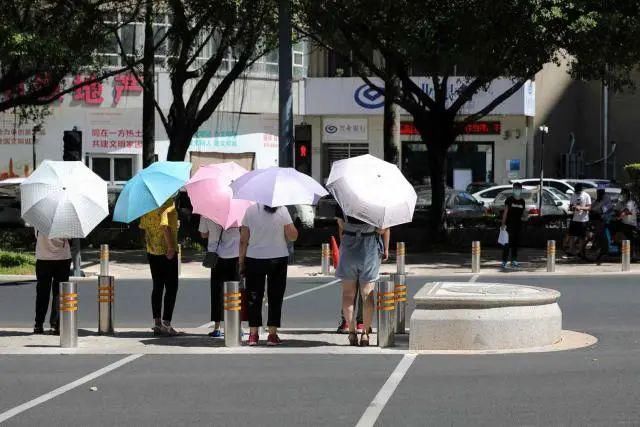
x=633, y=170
x=16, y=259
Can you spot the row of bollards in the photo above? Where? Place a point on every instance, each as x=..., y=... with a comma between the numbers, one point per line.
x=625, y=252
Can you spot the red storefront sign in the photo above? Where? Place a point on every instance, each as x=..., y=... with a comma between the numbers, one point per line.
x=477, y=128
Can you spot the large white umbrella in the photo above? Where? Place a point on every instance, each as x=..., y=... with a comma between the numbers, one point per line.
x=372, y=190
x=64, y=199
x=278, y=187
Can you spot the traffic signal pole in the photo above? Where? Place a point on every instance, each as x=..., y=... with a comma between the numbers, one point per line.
x=285, y=78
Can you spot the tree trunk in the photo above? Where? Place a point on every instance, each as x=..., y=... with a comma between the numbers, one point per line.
x=391, y=123
x=148, y=96
x=179, y=142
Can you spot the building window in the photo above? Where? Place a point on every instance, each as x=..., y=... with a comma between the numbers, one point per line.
x=115, y=169
x=332, y=152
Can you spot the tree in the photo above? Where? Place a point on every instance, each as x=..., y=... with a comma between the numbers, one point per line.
x=211, y=44
x=483, y=39
x=44, y=41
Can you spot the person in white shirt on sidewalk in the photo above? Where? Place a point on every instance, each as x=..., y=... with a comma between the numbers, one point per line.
x=53, y=264
x=581, y=205
x=226, y=244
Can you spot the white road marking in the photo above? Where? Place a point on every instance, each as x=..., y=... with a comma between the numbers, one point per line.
x=288, y=297
x=378, y=403
x=474, y=278
x=65, y=388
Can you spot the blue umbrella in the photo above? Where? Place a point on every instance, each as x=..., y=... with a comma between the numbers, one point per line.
x=149, y=189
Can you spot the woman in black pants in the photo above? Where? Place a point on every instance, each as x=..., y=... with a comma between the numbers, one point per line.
x=53, y=262
x=224, y=243
x=264, y=254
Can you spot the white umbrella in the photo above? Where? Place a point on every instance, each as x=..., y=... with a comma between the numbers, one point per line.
x=64, y=199
x=278, y=187
x=372, y=190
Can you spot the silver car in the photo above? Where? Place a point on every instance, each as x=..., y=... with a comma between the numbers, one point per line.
x=551, y=209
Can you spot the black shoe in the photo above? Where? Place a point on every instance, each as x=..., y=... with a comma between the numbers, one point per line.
x=54, y=331
x=38, y=330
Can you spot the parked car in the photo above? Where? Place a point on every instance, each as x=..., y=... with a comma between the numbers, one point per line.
x=560, y=184
x=10, y=214
x=461, y=208
x=551, y=209
x=612, y=193
x=592, y=183
x=488, y=195
x=475, y=187
x=557, y=195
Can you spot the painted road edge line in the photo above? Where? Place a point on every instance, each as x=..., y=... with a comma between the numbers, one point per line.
x=65, y=388
x=288, y=297
x=378, y=403
x=474, y=278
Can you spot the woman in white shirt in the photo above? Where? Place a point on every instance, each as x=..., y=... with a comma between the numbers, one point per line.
x=226, y=244
x=53, y=263
x=264, y=254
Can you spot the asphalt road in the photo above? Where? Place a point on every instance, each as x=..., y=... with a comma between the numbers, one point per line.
x=592, y=386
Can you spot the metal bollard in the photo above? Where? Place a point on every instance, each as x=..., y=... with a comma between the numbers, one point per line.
x=386, y=306
x=551, y=256
x=106, y=295
x=400, y=289
x=475, y=257
x=68, y=315
x=401, y=252
x=104, y=260
x=626, y=255
x=326, y=259
x=232, y=307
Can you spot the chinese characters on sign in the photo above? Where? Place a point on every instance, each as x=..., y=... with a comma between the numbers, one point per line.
x=114, y=132
x=269, y=141
x=124, y=84
x=92, y=93
x=477, y=128
x=13, y=132
x=344, y=130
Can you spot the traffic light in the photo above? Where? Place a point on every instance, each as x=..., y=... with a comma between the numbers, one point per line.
x=303, y=149
x=72, y=150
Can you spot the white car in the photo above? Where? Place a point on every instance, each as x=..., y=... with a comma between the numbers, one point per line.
x=557, y=195
x=559, y=184
x=488, y=195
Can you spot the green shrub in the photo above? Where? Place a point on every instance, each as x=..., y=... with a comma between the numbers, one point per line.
x=633, y=170
x=16, y=259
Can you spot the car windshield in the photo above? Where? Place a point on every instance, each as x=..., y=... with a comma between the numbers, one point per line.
x=424, y=195
x=557, y=193
x=465, y=199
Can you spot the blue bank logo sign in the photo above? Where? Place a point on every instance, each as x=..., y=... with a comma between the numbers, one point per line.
x=369, y=98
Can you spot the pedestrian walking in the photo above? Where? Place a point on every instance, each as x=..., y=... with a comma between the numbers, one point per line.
x=53, y=263
x=580, y=204
x=161, y=236
x=362, y=248
x=512, y=222
x=223, y=248
x=264, y=255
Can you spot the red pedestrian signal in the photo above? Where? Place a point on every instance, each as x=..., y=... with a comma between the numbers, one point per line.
x=303, y=151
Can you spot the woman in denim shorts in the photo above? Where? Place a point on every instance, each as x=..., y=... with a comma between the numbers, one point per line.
x=362, y=248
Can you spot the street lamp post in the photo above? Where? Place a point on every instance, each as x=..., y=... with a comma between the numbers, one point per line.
x=544, y=129
x=285, y=78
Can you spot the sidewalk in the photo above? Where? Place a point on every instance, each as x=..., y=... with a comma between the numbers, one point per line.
x=133, y=264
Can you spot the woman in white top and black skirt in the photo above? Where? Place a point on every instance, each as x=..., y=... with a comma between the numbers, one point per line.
x=264, y=254
x=53, y=263
x=226, y=244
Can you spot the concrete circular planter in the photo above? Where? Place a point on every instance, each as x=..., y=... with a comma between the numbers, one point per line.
x=484, y=316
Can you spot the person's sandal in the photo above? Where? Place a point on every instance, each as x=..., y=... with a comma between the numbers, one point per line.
x=353, y=339
x=364, y=340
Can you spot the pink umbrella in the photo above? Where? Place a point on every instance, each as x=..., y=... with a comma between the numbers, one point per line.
x=211, y=195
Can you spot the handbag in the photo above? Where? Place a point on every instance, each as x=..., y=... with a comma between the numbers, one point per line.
x=503, y=237
x=211, y=258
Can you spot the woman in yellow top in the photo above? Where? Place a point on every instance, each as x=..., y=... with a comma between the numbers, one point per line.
x=161, y=236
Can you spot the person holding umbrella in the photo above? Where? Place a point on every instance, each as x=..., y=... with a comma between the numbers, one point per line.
x=161, y=237
x=373, y=196
x=53, y=263
x=362, y=248
x=266, y=228
x=150, y=194
x=225, y=244
x=264, y=254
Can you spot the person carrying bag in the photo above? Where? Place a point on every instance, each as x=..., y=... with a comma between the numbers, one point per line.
x=222, y=258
